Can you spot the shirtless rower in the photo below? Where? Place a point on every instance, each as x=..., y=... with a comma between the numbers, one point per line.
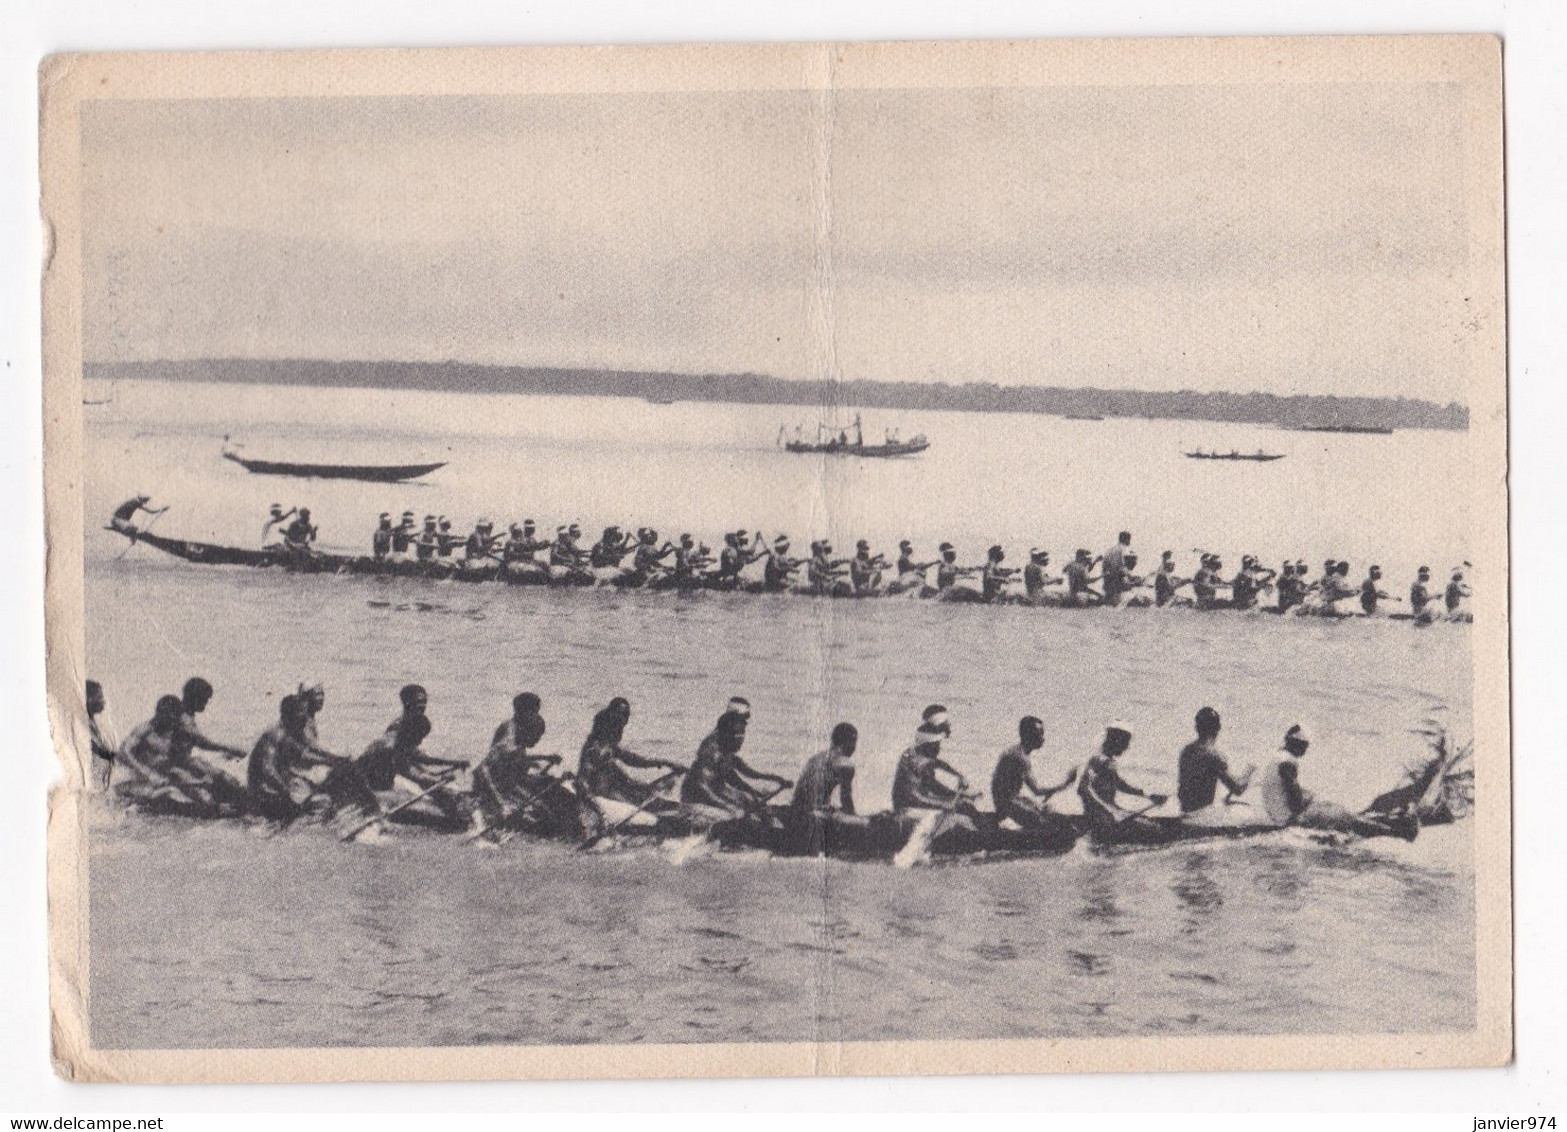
x=1248, y=583
x=99, y=743
x=610, y=549
x=446, y=539
x=1206, y=582
x=736, y=556
x=520, y=553
x=1288, y=803
x=405, y=534
x=123, y=515
x=1202, y=767
x=1165, y=581
x=1371, y=591
x=823, y=571
x=144, y=770
x=719, y=779
x=602, y=766
x=394, y=760
x=1080, y=578
x=1290, y=588
x=381, y=540
x=509, y=783
x=160, y=754
x=290, y=775
x=910, y=574
x=1101, y=786
x=299, y=534
x=812, y=815
x=1013, y=790
x=779, y=569
x=479, y=548
x=427, y=544
x=1335, y=587
x=1421, y=596
x=917, y=785
x=865, y=569
x=194, y=698
x=947, y=570
x=994, y=577
x=1455, y=593
x=1036, y=575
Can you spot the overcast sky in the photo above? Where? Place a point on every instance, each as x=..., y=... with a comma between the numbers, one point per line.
x=1304, y=238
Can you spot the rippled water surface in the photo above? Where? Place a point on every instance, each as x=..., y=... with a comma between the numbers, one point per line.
x=216, y=935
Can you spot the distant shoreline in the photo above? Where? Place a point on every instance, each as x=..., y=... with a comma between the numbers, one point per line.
x=1298, y=411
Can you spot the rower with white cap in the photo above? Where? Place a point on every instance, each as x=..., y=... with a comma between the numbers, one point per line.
x=779, y=568
x=1101, y=782
x=917, y=785
x=1037, y=576
x=1289, y=803
x=719, y=780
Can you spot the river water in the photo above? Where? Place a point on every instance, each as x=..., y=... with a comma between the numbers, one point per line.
x=214, y=935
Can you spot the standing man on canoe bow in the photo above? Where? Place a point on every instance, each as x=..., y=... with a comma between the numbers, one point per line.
x=276, y=517
x=396, y=761
x=1202, y=767
x=1014, y=775
x=719, y=779
x=123, y=515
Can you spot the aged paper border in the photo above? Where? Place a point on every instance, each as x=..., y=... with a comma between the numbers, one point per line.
x=1471, y=62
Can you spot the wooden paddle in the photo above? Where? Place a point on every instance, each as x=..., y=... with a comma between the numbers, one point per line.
x=444, y=780
x=653, y=796
x=1128, y=815
x=917, y=847
x=528, y=801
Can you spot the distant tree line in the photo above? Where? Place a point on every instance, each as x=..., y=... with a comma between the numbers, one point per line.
x=749, y=388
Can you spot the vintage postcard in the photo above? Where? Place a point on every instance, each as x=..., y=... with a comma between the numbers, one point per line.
x=784, y=559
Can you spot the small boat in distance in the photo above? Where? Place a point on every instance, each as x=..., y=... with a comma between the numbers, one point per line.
x=373, y=473
x=1258, y=456
x=661, y=399
x=1082, y=417
x=844, y=442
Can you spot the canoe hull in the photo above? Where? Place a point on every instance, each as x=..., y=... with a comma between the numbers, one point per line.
x=372, y=473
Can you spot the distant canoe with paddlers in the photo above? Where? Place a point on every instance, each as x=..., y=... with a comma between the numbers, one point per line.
x=373, y=473
x=1255, y=457
x=1364, y=430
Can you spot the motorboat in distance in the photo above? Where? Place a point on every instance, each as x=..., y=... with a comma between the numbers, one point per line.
x=1259, y=456
x=373, y=473
x=851, y=442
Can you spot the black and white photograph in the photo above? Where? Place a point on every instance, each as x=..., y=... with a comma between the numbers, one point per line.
x=979, y=557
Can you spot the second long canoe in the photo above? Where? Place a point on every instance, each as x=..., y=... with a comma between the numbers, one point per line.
x=375, y=473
